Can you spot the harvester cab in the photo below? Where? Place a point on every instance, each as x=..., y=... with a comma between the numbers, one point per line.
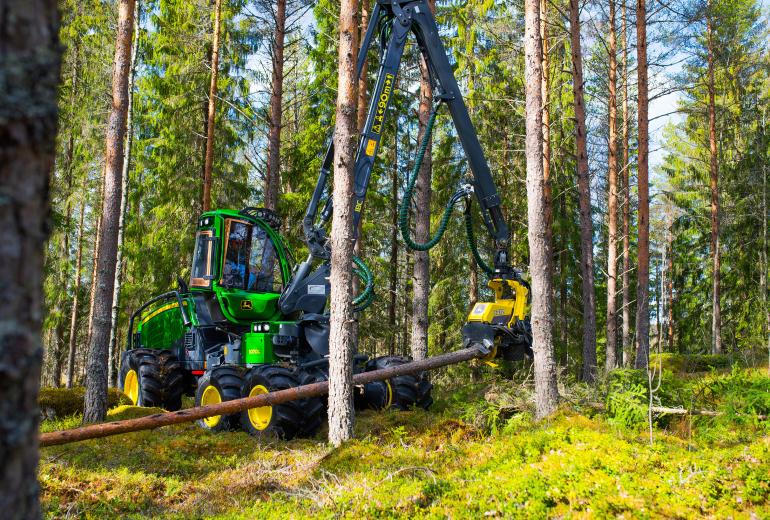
x=251, y=322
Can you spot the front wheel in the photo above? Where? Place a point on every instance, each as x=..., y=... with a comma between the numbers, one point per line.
x=298, y=418
x=152, y=378
x=220, y=384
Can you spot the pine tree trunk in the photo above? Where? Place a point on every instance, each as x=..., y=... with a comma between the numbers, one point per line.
x=112, y=373
x=546, y=392
x=626, y=334
x=94, y=265
x=96, y=374
x=643, y=244
x=30, y=59
x=75, y=303
x=716, y=257
x=612, y=199
x=393, y=263
x=273, y=177
x=341, y=413
x=422, y=196
x=208, y=162
x=584, y=193
x=544, y=92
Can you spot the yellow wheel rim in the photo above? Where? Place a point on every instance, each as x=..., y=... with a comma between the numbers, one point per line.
x=131, y=386
x=260, y=417
x=389, y=394
x=211, y=396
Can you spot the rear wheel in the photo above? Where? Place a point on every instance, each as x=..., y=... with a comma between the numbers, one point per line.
x=405, y=391
x=152, y=378
x=218, y=385
x=298, y=418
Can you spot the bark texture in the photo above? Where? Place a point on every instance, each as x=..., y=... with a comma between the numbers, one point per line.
x=611, y=360
x=273, y=177
x=30, y=59
x=643, y=242
x=208, y=162
x=96, y=373
x=393, y=281
x=584, y=194
x=546, y=392
x=341, y=341
x=716, y=257
x=544, y=90
x=112, y=372
x=626, y=333
x=422, y=196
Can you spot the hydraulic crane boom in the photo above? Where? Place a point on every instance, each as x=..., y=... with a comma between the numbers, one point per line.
x=395, y=20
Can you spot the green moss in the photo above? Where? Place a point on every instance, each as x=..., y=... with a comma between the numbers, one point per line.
x=690, y=363
x=64, y=402
x=426, y=465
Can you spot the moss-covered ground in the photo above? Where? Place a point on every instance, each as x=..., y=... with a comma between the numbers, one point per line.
x=467, y=458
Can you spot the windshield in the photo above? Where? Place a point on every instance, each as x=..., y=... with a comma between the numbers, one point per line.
x=201, y=266
x=251, y=261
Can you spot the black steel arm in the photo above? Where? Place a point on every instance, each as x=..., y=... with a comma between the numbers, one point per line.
x=396, y=19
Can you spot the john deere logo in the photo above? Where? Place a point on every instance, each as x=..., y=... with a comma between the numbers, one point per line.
x=246, y=305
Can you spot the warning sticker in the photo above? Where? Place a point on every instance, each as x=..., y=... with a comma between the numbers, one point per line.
x=370, y=146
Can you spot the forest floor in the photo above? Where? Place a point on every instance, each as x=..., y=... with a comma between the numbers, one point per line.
x=466, y=458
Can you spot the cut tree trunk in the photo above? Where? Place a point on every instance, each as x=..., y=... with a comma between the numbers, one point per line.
x=30, y=59
x=112, y=372
x=643, y=243
x=584, y=194
x=422, y=196
x=273, y=177
x=96, y=373
x=626, y=332
x=546, y=392
x=341, y=344
x=75, y=303
x=208, y=162
x=716, y=261
x=611, y=360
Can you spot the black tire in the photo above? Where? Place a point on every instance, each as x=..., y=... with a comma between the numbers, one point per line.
x=222, y=383
x=407, y=391
x=299, y=418
x=159, y=375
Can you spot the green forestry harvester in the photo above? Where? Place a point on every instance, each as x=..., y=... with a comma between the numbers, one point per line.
x=252, y=321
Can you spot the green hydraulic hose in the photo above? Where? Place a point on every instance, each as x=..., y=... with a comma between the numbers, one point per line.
x=403, y=213
x=472, y=240
x=363, y=300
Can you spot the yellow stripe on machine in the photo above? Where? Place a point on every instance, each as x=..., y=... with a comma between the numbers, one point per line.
x=162, y=309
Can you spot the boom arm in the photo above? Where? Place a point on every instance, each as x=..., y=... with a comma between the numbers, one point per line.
x=396, y=19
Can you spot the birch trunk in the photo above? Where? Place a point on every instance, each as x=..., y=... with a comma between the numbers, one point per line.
x=584, y=193
x=546, y=392
x=341, y=413
x=208, y=162
x=716, y=260
x=30, y=59
x=611, y=360
x=643, y=243
x=96, y=373
x=626, y=333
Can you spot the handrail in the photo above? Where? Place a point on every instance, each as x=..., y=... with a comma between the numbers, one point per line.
x=164, y=296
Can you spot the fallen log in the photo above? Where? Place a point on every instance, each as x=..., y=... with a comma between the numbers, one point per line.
x=94, y=431
x=683, y=411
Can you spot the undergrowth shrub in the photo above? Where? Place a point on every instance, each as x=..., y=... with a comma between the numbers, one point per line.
x=690, y=363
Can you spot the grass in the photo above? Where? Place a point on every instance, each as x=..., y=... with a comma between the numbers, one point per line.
x=419, y=464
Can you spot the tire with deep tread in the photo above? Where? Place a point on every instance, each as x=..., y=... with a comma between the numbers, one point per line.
x=227, y=380
x=160, y=375
x=173, y=380
x=299, y=418
x=408, y=391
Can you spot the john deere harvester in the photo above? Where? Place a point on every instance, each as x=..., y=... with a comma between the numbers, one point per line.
x=250, y=321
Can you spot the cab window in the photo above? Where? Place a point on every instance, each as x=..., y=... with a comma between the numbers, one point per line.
x=201, y=266
x=251, y=261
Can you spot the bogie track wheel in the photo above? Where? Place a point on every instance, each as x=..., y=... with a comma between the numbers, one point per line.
x=220, y=384
x=407, y=391
x=299, y=418
x=152, y=378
